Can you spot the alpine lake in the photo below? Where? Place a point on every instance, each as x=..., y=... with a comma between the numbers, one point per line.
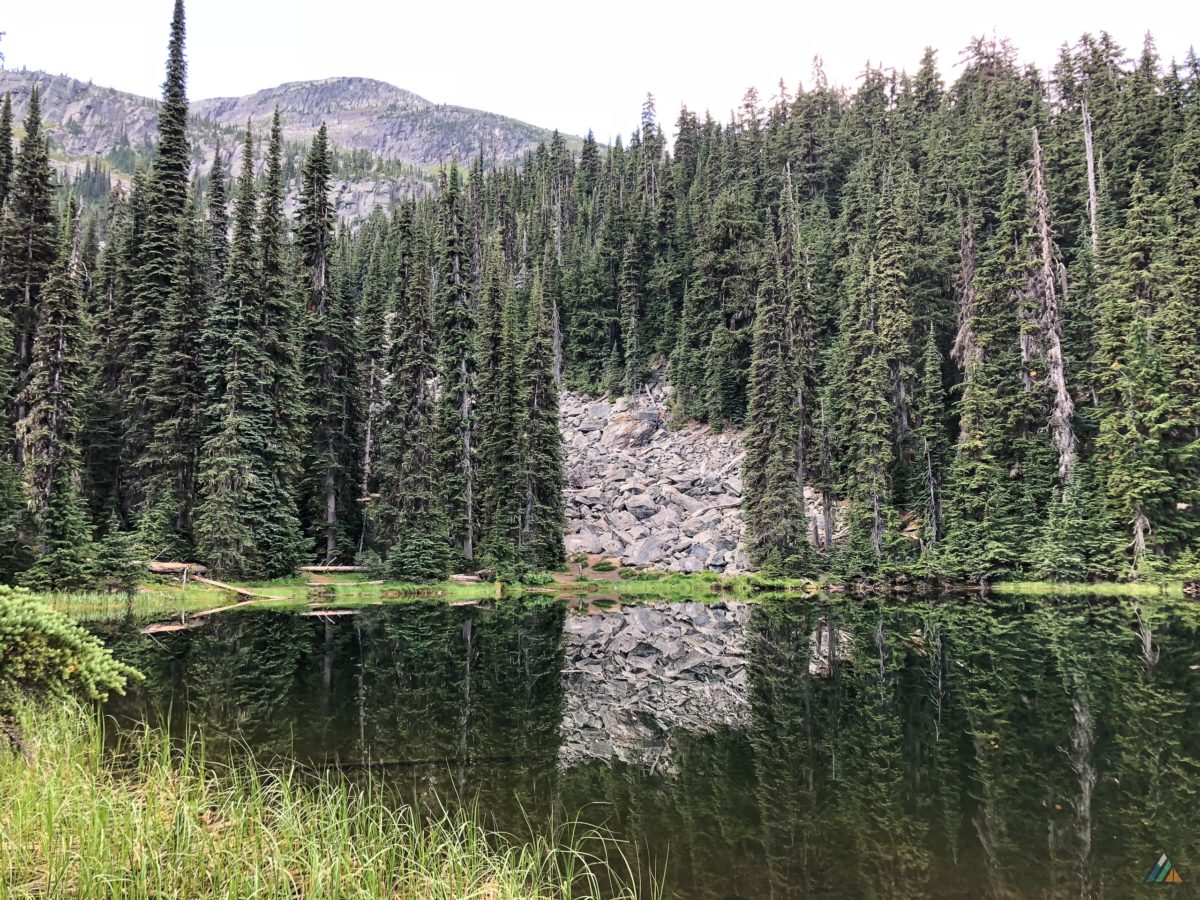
x=826, y=747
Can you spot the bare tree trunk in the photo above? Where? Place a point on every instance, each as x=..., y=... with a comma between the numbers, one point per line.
x=1091, y=177
x=935, y=495
x=1062, y=431
x=966, y=350
x=330, y=515
x=558, y=345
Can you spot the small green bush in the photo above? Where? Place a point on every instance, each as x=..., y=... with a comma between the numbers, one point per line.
x=605, y=565
x=42, y=652
x=419, y=559
x=537, y=579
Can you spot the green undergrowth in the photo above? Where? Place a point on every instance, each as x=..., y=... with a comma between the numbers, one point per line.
x=144, y=817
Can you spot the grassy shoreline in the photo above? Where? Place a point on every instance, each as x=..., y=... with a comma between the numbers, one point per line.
x=159, y=820
x=163, y=601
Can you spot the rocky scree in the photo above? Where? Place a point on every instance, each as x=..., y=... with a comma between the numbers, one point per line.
x=650, y=496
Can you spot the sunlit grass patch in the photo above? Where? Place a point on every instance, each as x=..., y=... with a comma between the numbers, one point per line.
x=156, y=819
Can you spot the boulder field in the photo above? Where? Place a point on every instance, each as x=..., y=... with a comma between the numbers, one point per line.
x=651, y=496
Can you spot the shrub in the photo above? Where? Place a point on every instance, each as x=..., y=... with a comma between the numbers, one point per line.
x=420, y=559
x=42, y=652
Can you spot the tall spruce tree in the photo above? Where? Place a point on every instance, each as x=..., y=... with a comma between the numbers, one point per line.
x=175, y=397
x=229, y=481
x=50, y=431
x=280, y=542
x=1134, y=463
x=542, y=521
x=29, y=244
x=6, y=149
x=501, y=418
x=331, y=481
x=773, y=481
x=456, y=373
x=410, y=478
x=155, y=267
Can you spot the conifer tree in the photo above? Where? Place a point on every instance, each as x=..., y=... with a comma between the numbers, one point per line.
x=155, y=266
x=280, y=542
x=331, y=481
x=27, y=235
x=773, y=480
x=217, y=223
x=49, y=433
x=64, y=540
x=410, y=478
x=456, y=372
x=983, y=532
x=501, y=419
x=931, y=442
x=174, y=398
x=6, y=151
x=228, y=480
x=1134, y=465
x=54, y=398
x=103, y=424
x=117, y=566
x=630, y=301
x=542, y=522
x=875, y=339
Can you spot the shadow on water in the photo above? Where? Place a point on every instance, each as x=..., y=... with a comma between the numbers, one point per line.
x=791, y=748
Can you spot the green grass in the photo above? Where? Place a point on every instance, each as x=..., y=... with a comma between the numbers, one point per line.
x=153, y=602
x=155, y=819
x=164, y=601
x=1083, y=589
x=674, y=587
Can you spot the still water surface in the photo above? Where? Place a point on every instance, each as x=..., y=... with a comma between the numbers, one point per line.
x=1023, y=747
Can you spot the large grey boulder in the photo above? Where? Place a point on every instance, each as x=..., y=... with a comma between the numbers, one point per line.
x=641, y=506
x=647, y=552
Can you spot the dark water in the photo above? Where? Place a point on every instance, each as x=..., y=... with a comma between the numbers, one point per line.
x=1015, y=748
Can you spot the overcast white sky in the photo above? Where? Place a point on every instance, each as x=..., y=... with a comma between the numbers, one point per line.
x=553, y=62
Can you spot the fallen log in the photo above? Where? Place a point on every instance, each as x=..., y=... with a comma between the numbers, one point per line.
x=176, y=568
x=241, y=592
x=326, y=569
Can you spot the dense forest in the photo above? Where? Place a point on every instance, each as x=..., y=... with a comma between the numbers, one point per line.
x=963, y=316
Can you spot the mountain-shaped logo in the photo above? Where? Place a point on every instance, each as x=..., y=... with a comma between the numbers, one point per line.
x=1163, y=873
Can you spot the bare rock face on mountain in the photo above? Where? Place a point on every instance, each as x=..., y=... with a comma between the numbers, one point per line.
x=387, y=121
x=389, y=140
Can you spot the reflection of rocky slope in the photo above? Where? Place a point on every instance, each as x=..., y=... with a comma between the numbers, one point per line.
x=634, y=677
x=651, y=496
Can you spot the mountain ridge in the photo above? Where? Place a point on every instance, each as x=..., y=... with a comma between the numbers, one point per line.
x=403, y=135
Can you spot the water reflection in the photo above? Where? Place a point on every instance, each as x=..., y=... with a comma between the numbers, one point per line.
x=635, y=678
x=792, y=748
